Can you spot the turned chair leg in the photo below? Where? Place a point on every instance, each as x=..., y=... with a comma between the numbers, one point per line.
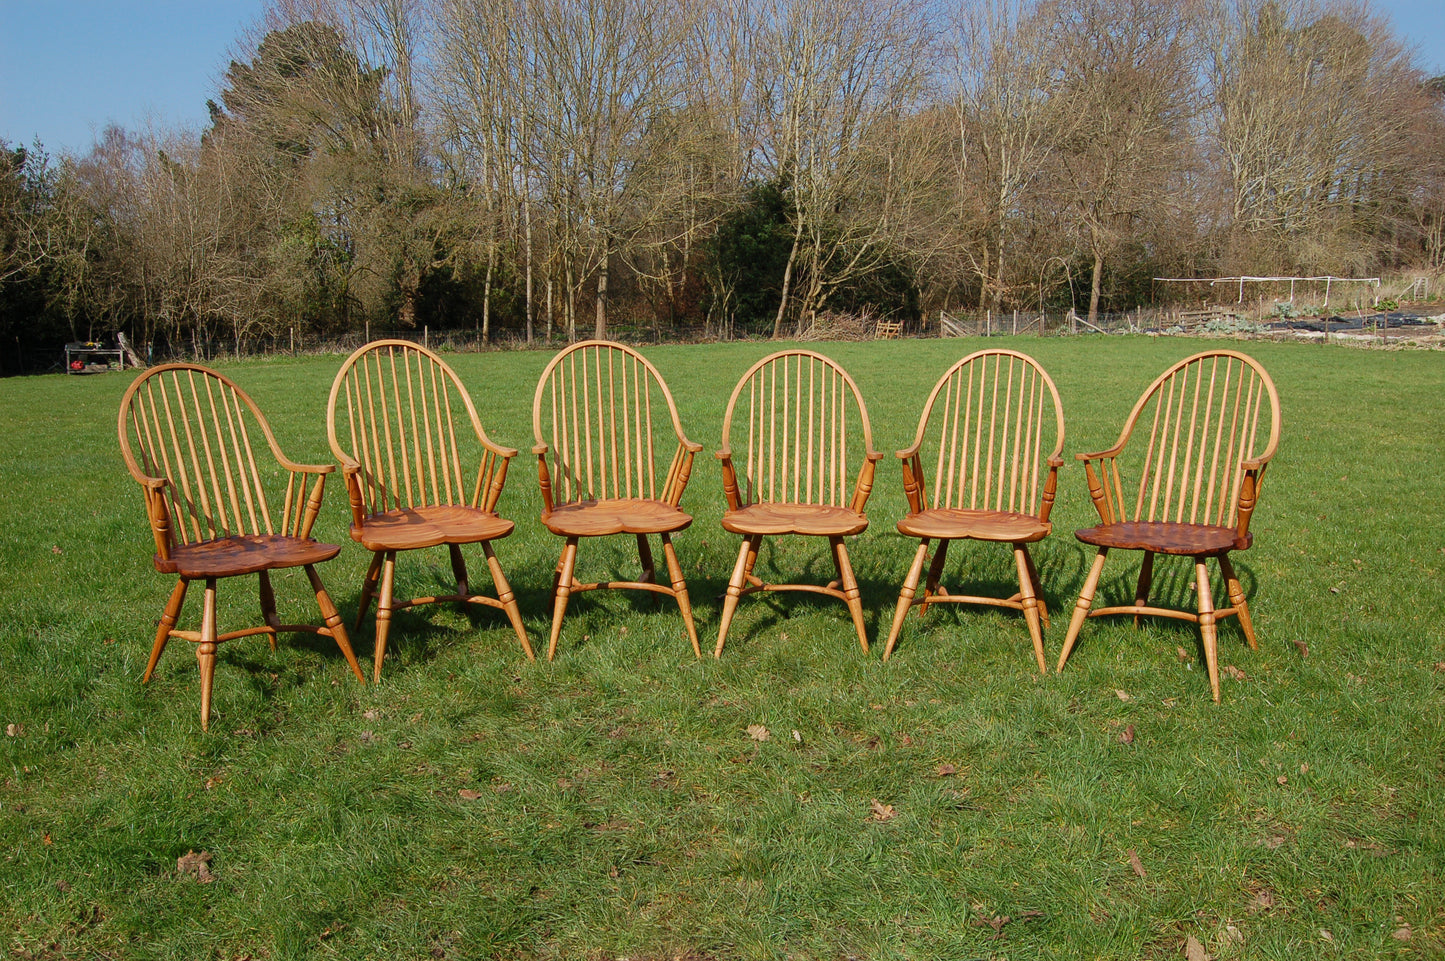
x=851, y=595
x=459, y=571
x=935, y=574
x=679, y=590
x=383, y=610
x=268, y=607
x=1238, y=600
x=334, y=624
x=747, y=556
x=905, y=596
x=368, y=588
x=563, y=591
x=206, y=651
x=168, y=624
x=1038, y=584
x=1030, y=603
x=644, y=557
x=508, y=599
x=1208, y=630
x=1081, y=609
x=1146, y=580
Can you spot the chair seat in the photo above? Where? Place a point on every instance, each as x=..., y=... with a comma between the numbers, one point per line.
x=629, y=515
x=244, y=554
x=1188, y=540
x=417, y=527
x=812, y=519
x=950, y=523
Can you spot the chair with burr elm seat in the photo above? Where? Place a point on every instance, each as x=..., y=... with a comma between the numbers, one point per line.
x=190, y=437
x=1183, y=480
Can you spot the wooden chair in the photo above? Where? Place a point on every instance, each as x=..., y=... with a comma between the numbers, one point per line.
x=188, y=436
x=993, y=428
x=1212, y=423
x=603, y=420
x=805, y=432
x=420, y=472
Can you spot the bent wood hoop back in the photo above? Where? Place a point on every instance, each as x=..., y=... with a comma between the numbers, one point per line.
x=1212, y=423
x=606, y=428
x=407, y=435
x=991, y=429
x=804, y=433
x=187, y=435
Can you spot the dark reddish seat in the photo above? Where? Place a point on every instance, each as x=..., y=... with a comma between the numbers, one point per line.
x=187, y=435
x=983, y=466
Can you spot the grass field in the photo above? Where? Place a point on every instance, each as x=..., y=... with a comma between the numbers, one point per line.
x=950, y=804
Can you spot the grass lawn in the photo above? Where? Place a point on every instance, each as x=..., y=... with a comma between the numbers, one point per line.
x=613, y=804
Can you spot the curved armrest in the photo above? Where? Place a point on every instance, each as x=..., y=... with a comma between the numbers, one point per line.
x=306, y=468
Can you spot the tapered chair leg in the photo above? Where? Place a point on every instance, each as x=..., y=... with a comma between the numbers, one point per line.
x=1081, y=609
x=168, y=623
x=206, y=651
x=679, y=590
x=1208, y=630
x=851, y=595
x=368, y=588
x=905, y=596
x=563, y=592
x=644, y=557
x=1038, y=587
x=1237, y=599
x=268, y=607
x=1030, y=604
x=508, y=599
x=748, y=550
x=1146, y=581
x=935, y=574
x=459, y=570
x=383, y=611
x=334, y=624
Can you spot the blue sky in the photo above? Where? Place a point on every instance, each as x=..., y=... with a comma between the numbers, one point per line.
x=69, y=67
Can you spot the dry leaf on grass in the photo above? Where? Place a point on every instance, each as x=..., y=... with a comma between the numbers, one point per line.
x=1128, y=736
x=1136, y=864
x=1234, y=673
x=467, y=794
x=881, y=811
x=1184, y=657
x=15, y=730
x=1193, y=950
x=945, y=769
x=197, y=864
x=1123, y=695
x=1402, y=933
x=758, y=733
x=1304, y=649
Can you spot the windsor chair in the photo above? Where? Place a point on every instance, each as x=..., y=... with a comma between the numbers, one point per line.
x=420, y=472
x=991, y=432
x=190, y=438
x=1209, y=427
x=604, y=421
x=804, y=431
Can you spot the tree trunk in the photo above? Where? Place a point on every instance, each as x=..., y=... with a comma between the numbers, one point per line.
x=1094, y=288
x=788, y=279
x=599, y=331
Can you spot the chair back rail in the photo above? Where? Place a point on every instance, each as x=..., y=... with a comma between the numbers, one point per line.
x=804, y=432
x=606, y=427
x=1212, y=425
x=407, y=434
x=991, y=428
x=188, y=436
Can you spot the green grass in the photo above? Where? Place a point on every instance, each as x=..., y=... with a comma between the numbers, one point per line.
x=617, y=806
